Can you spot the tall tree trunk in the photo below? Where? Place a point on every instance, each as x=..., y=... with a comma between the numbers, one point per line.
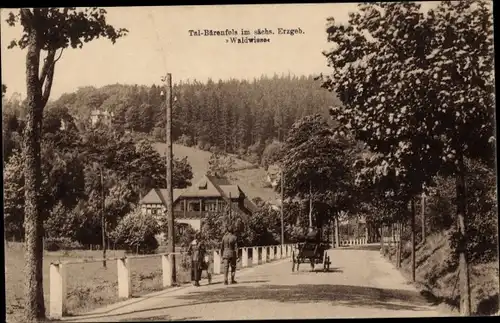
x=382, y=239
x=396, y=242
x=413, y=265
x=33, y=222
x=337, y=233
x=399, y=244
x=310, y=205
x=465, y=301
x=422, y=202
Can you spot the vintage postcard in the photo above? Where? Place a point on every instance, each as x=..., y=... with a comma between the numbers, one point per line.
x=272, y=161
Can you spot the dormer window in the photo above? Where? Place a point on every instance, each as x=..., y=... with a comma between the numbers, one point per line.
x=203, y=185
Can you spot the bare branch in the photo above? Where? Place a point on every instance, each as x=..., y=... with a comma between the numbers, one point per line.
x=48, y=62
x=60, y=54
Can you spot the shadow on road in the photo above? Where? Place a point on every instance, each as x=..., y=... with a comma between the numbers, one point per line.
x=352, y=296
x=241, y=282
x=159, y=318
x=344, y=295
x=371, y=247
x=307, y=270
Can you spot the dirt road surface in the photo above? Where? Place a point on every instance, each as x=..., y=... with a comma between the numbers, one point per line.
x=360, y=284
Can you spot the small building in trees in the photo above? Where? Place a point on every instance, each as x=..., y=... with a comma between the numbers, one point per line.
x=273, y=175
x=98, y=116
x=209, y=195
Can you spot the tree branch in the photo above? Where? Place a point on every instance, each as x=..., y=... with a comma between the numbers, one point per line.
x=59, y=57
x=26, y=13
x=47, y=86
x=48, y=62
x=48, y=74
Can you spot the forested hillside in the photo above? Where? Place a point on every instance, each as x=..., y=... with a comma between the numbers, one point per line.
x=235, y=116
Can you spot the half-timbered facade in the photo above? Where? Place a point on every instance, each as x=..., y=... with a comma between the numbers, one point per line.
x=209, y=195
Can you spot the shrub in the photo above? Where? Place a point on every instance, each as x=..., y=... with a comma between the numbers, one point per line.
x=184, y=234
x=185, y=140
x=56, y=244
x=137, y=231
x=158, y=134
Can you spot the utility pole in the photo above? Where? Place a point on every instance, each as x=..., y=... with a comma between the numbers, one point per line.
x=282, y=206
x=422, y=204
x=413, y=265
x=230, y=213
x=103, y=221
x=310, y=205
x=169, y=200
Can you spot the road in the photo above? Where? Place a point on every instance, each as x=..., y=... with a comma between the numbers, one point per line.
x=360, y=284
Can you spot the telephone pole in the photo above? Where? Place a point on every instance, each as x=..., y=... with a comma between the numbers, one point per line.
x=103, y=221
x=422, y=203
x=282, y=206
x=169, y=199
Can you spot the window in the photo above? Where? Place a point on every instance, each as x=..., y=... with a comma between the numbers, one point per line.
x=210, y=207
x=179, y=206
x=182, y=228
x=154, y=211
x=194, y=206
x=202, y=185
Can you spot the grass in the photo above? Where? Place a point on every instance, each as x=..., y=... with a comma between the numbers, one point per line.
x=252, y=181
x=89, y=285
x=440, y=282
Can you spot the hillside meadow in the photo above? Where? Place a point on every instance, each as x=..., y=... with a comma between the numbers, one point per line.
x=251, y=178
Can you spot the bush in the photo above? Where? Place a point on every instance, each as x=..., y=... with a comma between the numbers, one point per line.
x=481, y=213
x=214, y=228
x=158, y=134
x=185, y=140
x=56, y=244
x=184, y=239
x=137, y=231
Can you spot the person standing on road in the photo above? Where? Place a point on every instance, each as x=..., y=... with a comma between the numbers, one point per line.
x=197, y=252
x=206, y=263
x=229, y=250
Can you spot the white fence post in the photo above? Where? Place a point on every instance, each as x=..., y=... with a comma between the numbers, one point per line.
x=271, y=253
x=244, y=256
x=58, y=276
x=264, y=255
x=217, y=262
x=166, y=265
x=124, y=279
x=255, y=255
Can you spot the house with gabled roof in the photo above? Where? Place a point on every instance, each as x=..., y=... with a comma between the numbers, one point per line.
x=209, y=195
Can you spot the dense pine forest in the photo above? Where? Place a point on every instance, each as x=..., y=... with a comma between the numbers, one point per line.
x=235, y=116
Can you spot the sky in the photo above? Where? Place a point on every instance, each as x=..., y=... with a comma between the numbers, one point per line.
x=159, y=42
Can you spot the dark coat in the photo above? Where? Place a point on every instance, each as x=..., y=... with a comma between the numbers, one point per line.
x=229, y=246
x=196, y=250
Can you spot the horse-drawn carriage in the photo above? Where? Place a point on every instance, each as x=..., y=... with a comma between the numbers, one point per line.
x=313, y=249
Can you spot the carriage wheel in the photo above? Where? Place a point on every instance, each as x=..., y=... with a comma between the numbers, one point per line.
x=325, y=262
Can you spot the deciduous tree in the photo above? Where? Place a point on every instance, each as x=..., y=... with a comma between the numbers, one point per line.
x=48, y=30
x=417, y=87
x=316, y=165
